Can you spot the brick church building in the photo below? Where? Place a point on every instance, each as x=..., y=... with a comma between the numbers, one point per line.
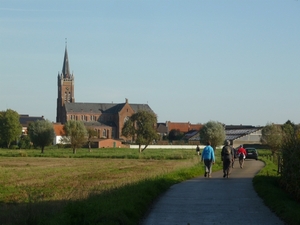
x=106, y=118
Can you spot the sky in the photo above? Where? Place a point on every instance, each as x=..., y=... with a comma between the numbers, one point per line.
x=233, y=61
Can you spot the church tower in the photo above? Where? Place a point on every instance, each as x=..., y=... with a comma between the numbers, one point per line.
x=65, y=88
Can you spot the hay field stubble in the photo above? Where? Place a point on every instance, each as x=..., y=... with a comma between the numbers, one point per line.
x=35, y=179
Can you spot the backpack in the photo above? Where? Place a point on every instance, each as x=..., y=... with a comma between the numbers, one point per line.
x=241, y=156
x=227, y=150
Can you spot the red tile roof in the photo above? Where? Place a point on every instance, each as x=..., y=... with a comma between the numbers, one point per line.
x=183, y=127
x=59, y=130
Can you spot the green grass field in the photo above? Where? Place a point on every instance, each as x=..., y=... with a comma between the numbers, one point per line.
x=105, y=186
x=122, y=153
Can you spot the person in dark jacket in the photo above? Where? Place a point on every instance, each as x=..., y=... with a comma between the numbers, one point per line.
x=227, y=155
x=198, y=150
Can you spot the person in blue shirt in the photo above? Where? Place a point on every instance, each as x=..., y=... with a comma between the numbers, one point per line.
x=208, y=156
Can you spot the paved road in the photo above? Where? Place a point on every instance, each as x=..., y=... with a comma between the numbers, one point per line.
x=213, y=201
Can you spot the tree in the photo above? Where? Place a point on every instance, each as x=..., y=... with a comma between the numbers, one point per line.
x=10, y=127
x=175, y=135
x=288, y=128
x=272, y=135
x=24, y=142
x=76, y=134
x=290, y=170
x=141, y=126
x=91, y=133
x=214, y=132
x=41, y=133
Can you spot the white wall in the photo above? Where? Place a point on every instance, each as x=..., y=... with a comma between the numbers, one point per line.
x=169, y=146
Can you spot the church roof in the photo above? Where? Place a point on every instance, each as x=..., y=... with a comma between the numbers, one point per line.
x=112, y=108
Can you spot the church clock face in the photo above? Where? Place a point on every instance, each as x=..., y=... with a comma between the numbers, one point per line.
x=67, y=88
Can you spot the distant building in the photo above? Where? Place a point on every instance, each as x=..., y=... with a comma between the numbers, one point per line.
x=163, y=129
x=106, y=118
x=59, y=133
x=25, y=120
x=237, y=135
x=183, y=127
x=243, y=135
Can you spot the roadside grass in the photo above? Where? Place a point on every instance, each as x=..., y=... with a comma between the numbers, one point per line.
x=126, y=205
x=109, y=186
x=39, y=189
x=114, y=153
x=266, y=184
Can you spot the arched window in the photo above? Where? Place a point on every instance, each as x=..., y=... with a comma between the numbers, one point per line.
x=69, y=97
x=104, y=133
x=113, y=133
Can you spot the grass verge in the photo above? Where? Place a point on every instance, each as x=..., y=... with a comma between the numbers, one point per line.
x=266, y=184
x=125, y=205
x=74, y=191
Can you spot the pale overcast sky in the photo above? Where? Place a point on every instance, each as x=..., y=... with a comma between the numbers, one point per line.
x=233, y=61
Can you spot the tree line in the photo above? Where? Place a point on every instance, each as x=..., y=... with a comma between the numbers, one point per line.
x=140, y=127
x=284, y=142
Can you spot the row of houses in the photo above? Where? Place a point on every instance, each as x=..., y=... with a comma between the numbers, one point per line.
x=236, y=134
x=59, y=132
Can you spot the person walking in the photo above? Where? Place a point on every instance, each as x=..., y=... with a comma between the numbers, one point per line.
x=198, y=150
x=208, y=156
x=241, y=152
x=227, y=155
x=234, y=156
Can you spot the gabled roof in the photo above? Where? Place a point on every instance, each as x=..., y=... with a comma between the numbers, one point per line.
x=192, y=135
x=111, y=108
x=161, y=128
x=59, y=129
x=182, y=126
x=236, y=131
x=232, y=132
x=138, y=107
x=26, y=119
x=195, y=126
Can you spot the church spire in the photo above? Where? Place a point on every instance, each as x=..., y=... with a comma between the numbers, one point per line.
x=65, y=87
x=66, y=68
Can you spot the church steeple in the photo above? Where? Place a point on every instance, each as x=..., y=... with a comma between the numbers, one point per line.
x=65, y=89
x=66, y=68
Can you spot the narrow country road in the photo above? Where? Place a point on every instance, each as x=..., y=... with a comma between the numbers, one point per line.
x=213, y=201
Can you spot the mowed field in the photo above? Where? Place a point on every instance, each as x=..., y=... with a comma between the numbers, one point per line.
x=59, y=187
x=43, y=179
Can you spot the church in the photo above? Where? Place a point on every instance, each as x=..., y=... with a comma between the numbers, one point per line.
x=106, y=118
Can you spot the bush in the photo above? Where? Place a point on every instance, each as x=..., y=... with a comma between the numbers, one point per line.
x=14, y=147
x=290, y=175
x=23, y=154
x=24, y=142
